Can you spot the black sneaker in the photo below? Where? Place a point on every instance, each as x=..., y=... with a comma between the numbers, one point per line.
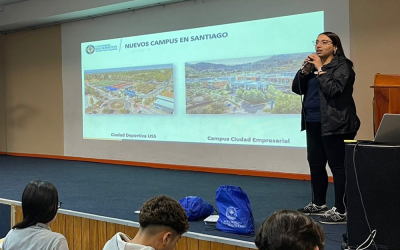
x=333, y=217
x=312, y=209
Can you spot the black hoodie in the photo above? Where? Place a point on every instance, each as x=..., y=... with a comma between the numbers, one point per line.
x=338, y=110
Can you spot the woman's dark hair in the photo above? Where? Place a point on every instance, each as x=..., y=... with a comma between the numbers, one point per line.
x=289, y=230
x=336, y=42
x=39, y=203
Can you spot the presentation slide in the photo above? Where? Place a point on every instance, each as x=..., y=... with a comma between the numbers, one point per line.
x=224, y=84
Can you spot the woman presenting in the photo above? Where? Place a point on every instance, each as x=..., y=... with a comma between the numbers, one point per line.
x=329, y=117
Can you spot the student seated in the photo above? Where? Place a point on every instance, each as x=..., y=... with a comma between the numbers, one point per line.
x=162, y=222
x=39, y=207
x=290, y=230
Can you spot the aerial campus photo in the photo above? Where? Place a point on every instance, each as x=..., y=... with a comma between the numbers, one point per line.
x=130, y=90
x=257, y=85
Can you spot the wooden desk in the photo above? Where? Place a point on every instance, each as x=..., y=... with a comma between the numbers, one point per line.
x=386, y=96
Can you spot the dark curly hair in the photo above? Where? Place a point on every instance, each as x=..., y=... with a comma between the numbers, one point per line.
x=290, y=230
x=164, y=211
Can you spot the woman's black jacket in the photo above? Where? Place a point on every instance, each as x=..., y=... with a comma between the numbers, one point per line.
x=338, y=110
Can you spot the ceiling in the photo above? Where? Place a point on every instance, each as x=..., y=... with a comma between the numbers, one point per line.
x=17, y=15
x=7, y=2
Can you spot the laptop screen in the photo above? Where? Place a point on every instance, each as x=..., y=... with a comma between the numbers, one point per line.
x=389, y=129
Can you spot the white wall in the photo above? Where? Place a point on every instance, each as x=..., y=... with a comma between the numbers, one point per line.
x=3, y=131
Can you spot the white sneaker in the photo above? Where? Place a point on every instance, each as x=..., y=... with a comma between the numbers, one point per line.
x=312, y=209
x=333, y=217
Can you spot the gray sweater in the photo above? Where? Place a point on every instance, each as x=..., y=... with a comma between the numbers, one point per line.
x=37, y=237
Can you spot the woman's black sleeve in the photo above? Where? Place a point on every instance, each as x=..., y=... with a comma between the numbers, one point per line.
x=333, y=83
x=299, y=84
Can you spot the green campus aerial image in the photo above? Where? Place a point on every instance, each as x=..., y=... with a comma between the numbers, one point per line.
x=130, y=91
x=258, y=85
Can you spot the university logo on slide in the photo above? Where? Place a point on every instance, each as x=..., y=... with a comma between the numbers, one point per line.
x=231, y=213
x=90, y=49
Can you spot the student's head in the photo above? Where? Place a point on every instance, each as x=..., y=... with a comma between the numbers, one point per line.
x=39, y=203
x=164, y=218
x=290, y=230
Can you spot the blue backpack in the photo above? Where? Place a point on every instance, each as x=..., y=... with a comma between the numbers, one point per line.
x=196, y=207
x=235, y=214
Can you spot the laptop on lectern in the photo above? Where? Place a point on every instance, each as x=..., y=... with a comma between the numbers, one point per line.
x=389, y=129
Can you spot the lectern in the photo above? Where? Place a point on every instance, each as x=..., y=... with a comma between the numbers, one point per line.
x=386, y=96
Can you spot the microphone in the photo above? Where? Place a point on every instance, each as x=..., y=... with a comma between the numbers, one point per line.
x=302, y=67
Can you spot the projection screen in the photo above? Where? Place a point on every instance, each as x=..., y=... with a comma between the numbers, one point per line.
x=194, y=83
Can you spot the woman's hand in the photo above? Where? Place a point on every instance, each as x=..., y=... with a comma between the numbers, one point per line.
x=314, y=59
x=306, y=67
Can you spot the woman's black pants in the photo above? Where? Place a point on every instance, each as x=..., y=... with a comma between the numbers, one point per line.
x=326, y=149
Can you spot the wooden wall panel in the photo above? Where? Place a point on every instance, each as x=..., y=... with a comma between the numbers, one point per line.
x=54, y=225
x=77, y=232
x=216, y=246
x=193, y=244
x=110, y=232
x=182, y=244
x=228, y=247
x=242, y=248
x=102, y=231
x=69, y=231
x=89, y=234
x=119, y=228
x=204, y=245
x=94, y=234
x=61, y=223
x=86, y=234
x=131, y=231
x=18, y=214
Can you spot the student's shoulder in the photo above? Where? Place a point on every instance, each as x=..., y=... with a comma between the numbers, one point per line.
x=56, y=235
